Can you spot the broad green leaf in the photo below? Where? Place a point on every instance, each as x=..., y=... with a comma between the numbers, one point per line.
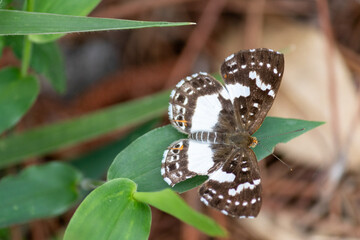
x=38, y=192
x=94, y=164
x=141, y=160
x=279, y=130
x=169, y=202
x=110, y=212
x=46, y=59
x=17, y=94
x=23, y=23
x=67, y=7
x=42, y=140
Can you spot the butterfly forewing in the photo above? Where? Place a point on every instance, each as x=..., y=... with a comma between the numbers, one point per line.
x=235, y=188
x=252, y=78
x=201, y=103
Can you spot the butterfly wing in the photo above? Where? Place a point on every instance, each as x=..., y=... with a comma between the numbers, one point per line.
x=187, y=158
x=200, y=103
x=235, y=188
x=252, y=78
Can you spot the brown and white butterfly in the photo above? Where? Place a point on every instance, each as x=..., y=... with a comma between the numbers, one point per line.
x=219, y=120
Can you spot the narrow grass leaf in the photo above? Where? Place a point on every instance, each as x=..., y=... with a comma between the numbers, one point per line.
x=169, y=202
x=67, y=7
x=141, y=160
x=38, y=192
x=23, y=23
x=42, y=140
x=110, y=212
x=17, y=94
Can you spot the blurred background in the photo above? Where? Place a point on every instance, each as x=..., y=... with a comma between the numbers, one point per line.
x=320, y=198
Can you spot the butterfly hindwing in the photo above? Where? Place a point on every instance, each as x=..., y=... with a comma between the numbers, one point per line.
x=197, y=104
x=235, y=188
x=187, y=158
x=252, y=78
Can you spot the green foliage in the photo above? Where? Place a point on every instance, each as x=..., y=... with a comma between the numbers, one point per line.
x=169, y=202
x=23, y=23
x=94, y=164
x=46, y=59
x=141, y=161
x=17, y=94
x=38, y=192
x=67, y=7
x=110, y=212
x=46, y=139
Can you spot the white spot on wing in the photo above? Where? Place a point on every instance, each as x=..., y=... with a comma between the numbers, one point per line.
x=257, y=181
x=180, y=83
x=259, y=83
x=168, y=181
x=206, y=113
x=224, y=212
x=222, y=176
x=232, y=192
x=164, y=156
x=237, y=90
x=170, y=112
x=200, y=157
x=229, y=57
x=271, y=93
x=204, y=201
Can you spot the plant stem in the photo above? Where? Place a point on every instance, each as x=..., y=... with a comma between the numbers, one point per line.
x=27, y=45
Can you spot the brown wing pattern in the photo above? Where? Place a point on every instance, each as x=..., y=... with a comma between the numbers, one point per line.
x=252, y=78
x=200, y=103
x=235, y=188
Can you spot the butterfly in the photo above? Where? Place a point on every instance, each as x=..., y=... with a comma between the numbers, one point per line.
x=220, y=121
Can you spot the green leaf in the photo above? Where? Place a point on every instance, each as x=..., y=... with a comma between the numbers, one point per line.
x=171, y=203
x=23, y=23
x=46, y=59
x=110, y=212
x=279, y=130
x=141, y=160
x=94, y=164
x=17, y=94
x=38, y=192
x=42, y=140
x=67, y=7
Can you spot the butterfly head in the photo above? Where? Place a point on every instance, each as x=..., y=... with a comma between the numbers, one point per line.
x=253, y=142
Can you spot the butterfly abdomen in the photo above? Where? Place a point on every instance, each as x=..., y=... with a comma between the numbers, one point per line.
x=208, y=137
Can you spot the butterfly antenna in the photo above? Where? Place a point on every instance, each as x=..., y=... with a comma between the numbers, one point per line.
x=298, y=130
x=263, y=147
